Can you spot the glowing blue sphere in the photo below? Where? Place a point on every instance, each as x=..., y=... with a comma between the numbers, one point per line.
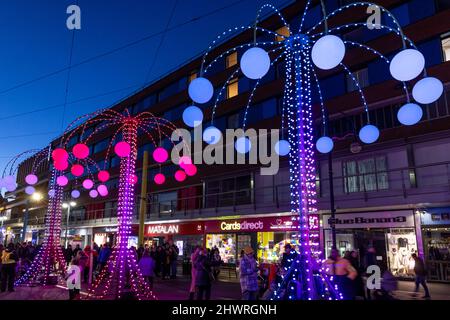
x=243, y=145
x=29, y=190
x=428, y=90
x=328, y=52
x=324, y=144
x=407, y=64
x=75, y=194
x=212, y=135
x=409, y=114
x=200, y=90
x=369, y=134
x=51, y=193
x=255, y=63
x=192, y=116
x=282, y=147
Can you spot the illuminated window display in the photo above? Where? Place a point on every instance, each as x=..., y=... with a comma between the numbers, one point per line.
x=401, y=244
x=271, y=245
x=226, y=243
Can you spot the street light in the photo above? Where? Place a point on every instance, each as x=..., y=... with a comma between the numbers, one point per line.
x=68, y=205
x=36, y=197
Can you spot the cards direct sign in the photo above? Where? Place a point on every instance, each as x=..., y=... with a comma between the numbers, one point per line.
x=284, y=223
x=241, y=226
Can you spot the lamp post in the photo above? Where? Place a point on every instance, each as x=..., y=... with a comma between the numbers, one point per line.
x=36, y=197
x=68, y=205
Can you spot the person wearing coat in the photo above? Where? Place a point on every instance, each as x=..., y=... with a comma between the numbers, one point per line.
x=194, y=257
x=147, y=266
x=248, y=275
x=203, y=275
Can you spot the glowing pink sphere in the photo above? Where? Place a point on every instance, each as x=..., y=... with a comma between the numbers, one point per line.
x=159, y=178
x=133, y=179
x=88, y=184
x=103, y=176
x=31, y=179
x=80, y=151
x=122, y=149
x=77, y=170
x=93, y=193
x=61, y=165
x=180, y=176
x=102, y=190
x=160, y=155
x=191, y=170
x=184, y=161
x=62, y=181
x=60, y=155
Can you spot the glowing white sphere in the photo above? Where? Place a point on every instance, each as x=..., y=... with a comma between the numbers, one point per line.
x=29, y=190
x=75, y=194
x=282, y=147
x=324, y=144
x=243, y=145
x=255, y=63
x=328, y=52
x=369, y=134
x=212, y=135
x=200, y=90
x=407, y=64
x=427, y=90
x=409, y=114
x=192, y=116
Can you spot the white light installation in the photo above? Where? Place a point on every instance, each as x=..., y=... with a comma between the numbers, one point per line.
x=328, y=52
x=427, y=90
x=255, y=63
x=407, y=64
x=409, y=114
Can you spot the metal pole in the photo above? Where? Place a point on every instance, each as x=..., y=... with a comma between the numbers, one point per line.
x=332, y=207
x=143, y=200
x=25, y=220
x=67, y=226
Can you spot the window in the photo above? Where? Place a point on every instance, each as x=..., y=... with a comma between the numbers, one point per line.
x=442, y=5
x=192, y=76
x=233, y=121
x=232, y=88
x=365, y=175
x=231, y=60
x=362, y=76
x=101, y=145
x=446, y=47
x=228, y=192
x=284, y=31
x=73, y=141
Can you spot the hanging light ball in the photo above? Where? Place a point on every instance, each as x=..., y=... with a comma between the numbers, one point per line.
x=159, y=178
x=29, y=190
x=93, y=193
x=31, y=179
x=77, y=170
x=62, y=181
x=191, y=170
x=88, y=184
x=428, y=90
x=102, y=190
x=407, y=64
x=282, y=147
x=80, y=151
x=255, y=63
x=103, y=175
x=409, y=114
x=328, y=52
x=243, y=145
x=184, y=161
x=61, y=165
x=180, y=175
x=192, y=116
x=60, y=155
x=369, y=134
x=160, y=155
x=212, y=135
x=11, y=187
x=51, y=193
x=122, y=149
x=75, y=194
x=324, y=144
x=200, y=90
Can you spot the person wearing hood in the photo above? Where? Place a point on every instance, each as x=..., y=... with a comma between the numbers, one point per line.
x=248, y=275
x=9, y=262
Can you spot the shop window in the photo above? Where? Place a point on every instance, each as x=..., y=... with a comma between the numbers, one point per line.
x=365, y=175
x=445, y=42
x=284, y=31
x=231, y=60
x=361, y=76
x=232, y=88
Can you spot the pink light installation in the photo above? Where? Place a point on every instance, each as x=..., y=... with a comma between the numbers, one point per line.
x=77, y=170
x=180, y=176
x=93, y=193
x=159, y=178
x=190, y=169
x=160, y=155
x=31, y=179
x=62, y=181
x=103, y=176
x=88, y=184
x=122, y=149
x=80, y=151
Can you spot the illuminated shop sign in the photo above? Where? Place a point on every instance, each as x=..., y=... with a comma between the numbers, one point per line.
x=285, y=223
x=240, y=226
x=163, y=229
x=189, y=228
x=386, y=219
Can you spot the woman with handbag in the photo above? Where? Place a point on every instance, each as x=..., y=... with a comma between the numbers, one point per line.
x=203, y=275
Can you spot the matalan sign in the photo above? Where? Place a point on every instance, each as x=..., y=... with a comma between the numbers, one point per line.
x=163, y=229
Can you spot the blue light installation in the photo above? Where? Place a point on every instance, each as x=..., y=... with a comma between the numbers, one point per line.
x=200, y=90
x=428, y=90
x=324, y=144
x=369, y=134
x=243, y=145
x=212, y=135
x=282, y=147
x=255, y=63
x=407, y=64
x=328, y=52
x=75, y=194
x=192, y=116
x=409, y=114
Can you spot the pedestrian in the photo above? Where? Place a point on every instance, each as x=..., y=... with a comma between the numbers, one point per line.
x=194, y=257
x=147, y=267
x=82, y=260
x=73, y=272
x=89, y=254
x=288, y=257
x=9, y=262
x=174, y=251
x=140, y=252
x=358, y=283
x=343, y=273
x=421, y=276
x=159, y=260
x=103, y=257
x=68, y=254
x=166, y=263
x=76, y=250
x=216, y=262
x=203, y=275
x=248, y=275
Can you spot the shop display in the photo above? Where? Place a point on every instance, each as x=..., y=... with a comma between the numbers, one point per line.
x=401, y=244
x=226, y=243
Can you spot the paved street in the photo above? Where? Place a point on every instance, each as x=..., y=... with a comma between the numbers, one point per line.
x=224, y=289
